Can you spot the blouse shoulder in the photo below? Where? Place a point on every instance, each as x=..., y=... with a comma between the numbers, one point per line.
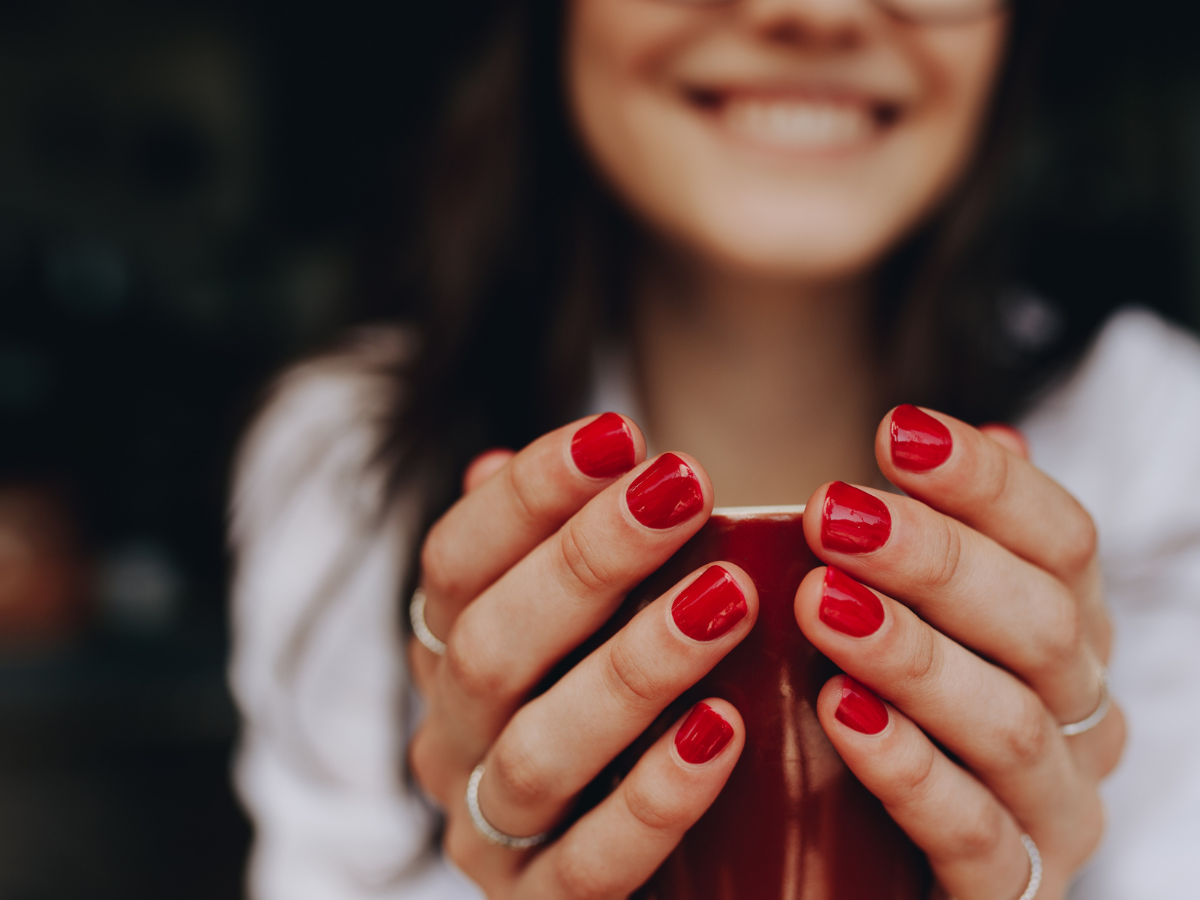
x=1121, y=431
x=323, y=416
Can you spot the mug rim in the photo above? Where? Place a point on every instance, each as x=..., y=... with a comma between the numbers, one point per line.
x=755, y=512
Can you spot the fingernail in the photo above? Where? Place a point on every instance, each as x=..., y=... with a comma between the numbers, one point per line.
x=853, y=521
x=860, y=709
x=604, y=447
x=919, y=441
x=709, y=606
x=848, y=606
x=665, y=494
x=702, y=735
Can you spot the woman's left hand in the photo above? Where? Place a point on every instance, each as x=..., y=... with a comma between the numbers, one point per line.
x=986, y=632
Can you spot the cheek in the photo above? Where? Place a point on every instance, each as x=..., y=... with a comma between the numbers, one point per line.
x=615, y=52
x=961, y=69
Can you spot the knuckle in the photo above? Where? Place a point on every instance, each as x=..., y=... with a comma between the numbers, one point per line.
x=1062, y=642
x=913, y=776
x=520, y=775
x=652, y=806
x=438, y=565
x=628, y=678
x=925, y=658
x=991, y=482
x=944, y=557
x=979, y=834
x=1077, y=543
x=581, y=557
x=472, y=670
x=460, y=845
x=522, y=487
x=1113, y=747
x=581, y=873
x=422, y=761
x=1026, y=735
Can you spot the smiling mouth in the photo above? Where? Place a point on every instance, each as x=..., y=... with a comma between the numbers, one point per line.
x=791, y=122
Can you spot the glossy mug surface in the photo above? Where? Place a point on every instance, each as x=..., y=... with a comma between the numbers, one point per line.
x=792, y=822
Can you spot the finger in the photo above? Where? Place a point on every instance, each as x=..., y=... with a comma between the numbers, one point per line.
x=1010, y=438
x=537, y=490
x=972, y=841
x=555, y=745
x=969, y=476
x=616, y=847
x=966, y=585
x=484, y=466
x=423, y=665
x=990, y=720
x=507, y=641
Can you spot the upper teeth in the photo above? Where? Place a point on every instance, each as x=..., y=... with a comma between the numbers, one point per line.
x=793, y=123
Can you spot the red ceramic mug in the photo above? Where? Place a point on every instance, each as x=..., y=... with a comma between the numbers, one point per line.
x=792, y=823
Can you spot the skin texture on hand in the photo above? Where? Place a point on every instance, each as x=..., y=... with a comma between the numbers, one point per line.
x=534, y=558
x=992, y=633
x=966, y=624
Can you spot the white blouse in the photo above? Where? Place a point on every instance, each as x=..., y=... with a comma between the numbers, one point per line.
x=319, y=668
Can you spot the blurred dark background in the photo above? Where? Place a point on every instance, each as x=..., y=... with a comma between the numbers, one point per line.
x=193, y=193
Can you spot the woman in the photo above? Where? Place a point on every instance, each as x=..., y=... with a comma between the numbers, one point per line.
x=751, y=226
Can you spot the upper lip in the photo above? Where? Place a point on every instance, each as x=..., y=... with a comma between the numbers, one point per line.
x=875, y=83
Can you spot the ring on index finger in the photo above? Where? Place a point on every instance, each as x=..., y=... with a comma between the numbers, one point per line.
x=416, y=615
x=1073, y=728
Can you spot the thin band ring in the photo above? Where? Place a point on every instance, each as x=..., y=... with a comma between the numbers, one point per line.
x=1095, y=718
x=487, y=829
x=416, y=615
x=1035, y=868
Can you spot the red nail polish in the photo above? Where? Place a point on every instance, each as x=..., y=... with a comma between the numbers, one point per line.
x=665, y=494
x=702, y=735
x=709, y=606
x=604, y=447
x=919, y=441
x=848, y=606
x=860, y=709
x=853, y=521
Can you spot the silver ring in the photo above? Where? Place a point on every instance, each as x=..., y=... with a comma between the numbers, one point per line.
x=416, y=615
x=1035, y=868
x=489, y=831
x=1095, y=718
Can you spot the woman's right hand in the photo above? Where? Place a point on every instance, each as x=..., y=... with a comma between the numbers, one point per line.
x=536, y=556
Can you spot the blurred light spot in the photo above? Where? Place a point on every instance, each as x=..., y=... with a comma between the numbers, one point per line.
x=1030, y=322
x=25, y=378
x=139, y=589
x=87, y=277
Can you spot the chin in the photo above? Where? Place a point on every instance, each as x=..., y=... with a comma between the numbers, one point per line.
x=820, y=248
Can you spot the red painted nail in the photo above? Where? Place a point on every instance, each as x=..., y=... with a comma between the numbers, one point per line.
x=709, y=606
x=860, y=709
x=604, y=447
x=665, y=494
x=853, y=521
x=848, y=606
x=702, y=735
x=919, y=441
